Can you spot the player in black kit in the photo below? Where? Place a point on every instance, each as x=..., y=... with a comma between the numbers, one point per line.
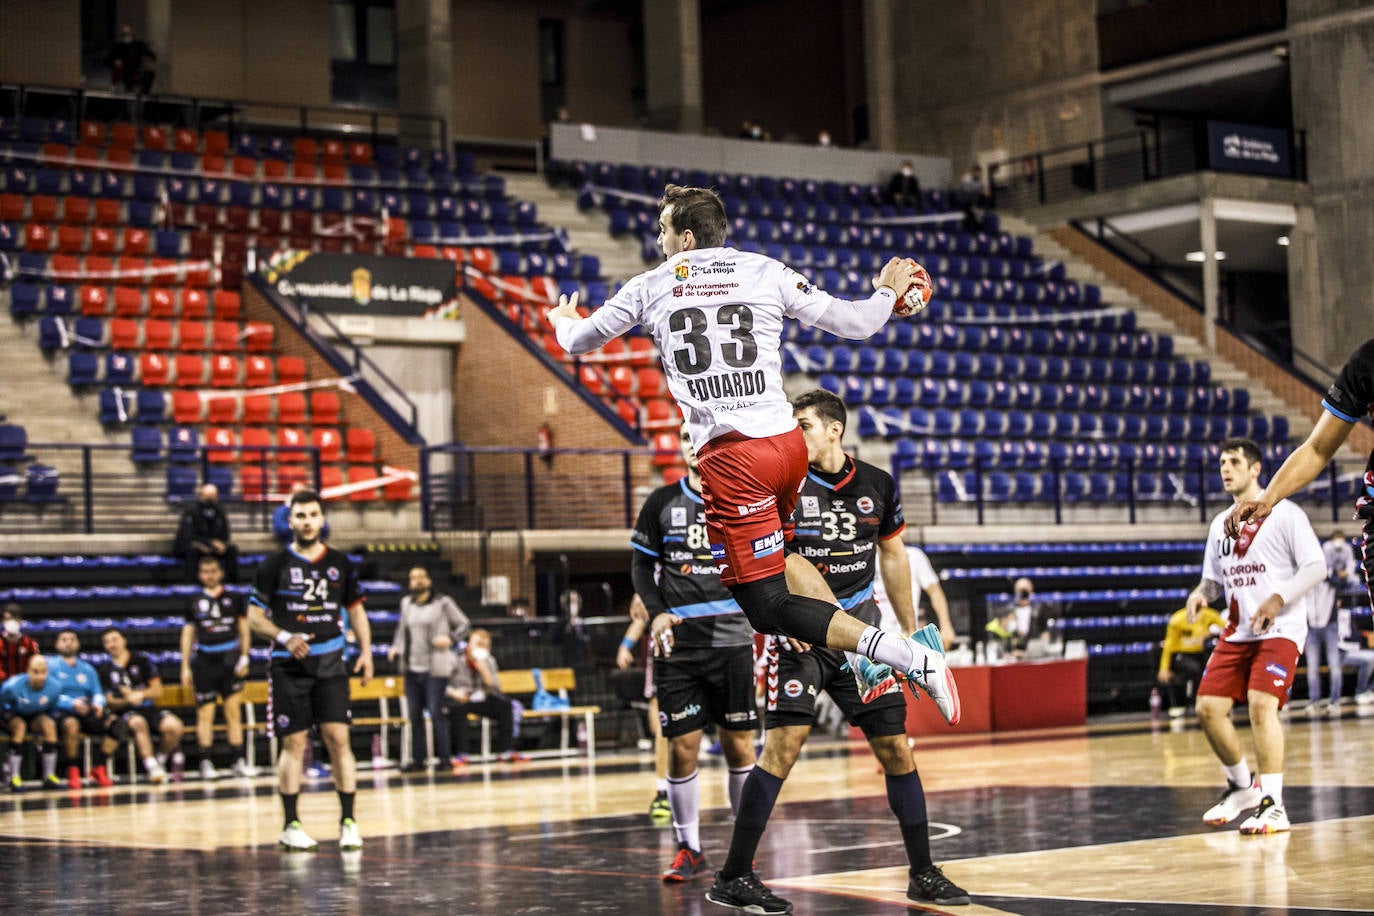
x=705, y=669
x=848, y=522
x=214, y=662
x=132, y=685
x=300, y=596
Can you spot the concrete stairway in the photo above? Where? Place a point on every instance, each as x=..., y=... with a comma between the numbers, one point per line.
x=588, y=231
x=1185, y=346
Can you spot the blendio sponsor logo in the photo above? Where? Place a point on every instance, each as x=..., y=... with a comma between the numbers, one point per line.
x=727, y=385
x=836, y=569
x=696, y=569
x=686, y=711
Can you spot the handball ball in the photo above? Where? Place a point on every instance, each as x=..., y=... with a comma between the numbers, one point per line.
x=917, y=295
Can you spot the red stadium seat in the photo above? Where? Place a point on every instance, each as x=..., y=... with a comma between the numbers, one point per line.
x=291, y=407
x=213, y=164
x=187, y=407
x=673, y=474
x=124, y=334
x=260, y=336
x=118, y=156
x=110, y=213
x=367, y=494
x=154, y=370
x=164, y=272
x=259, y=441
x=665, y=447
x=331, y=152
x=290, y=370
x=257, y=372
x=223, y=408
x=224, y=371
x=195, y=305
x=483, y=259
x=202, y=246
x=660, y=413
x=37, y=237
x=43, y=208
x=154, y=137
x=157, y=334
x=71, y=239
x=362, y=446
x=88, y=156
x=398, y=491
x=330, y=478
x=132, y=271
x=273, y=168
x=642, y=352
x=93, y=133
x=123, y=135
x=288, y=476
x=328, y=442
x=245, y=166
x=623, y=380
x=359, y=153
x=95, y=302
x=228, y=306
x=128, y=302
x=220, y=444
x=216, y=142
x=628, y=411
x=306, y=171
x=291, y=440
x=185, y=140
x=190, y=371
x=593, y=378
x=103, y=240
x=76, y=211
x=191, y=336
x=324, y=408
x=136, y=241
x=257, y=408
x=224, y=337
x=253, y=483
x=161, y=304
x=12, y=208
x=651, y=383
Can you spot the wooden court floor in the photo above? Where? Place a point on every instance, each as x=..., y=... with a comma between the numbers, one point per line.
x=1101, y=820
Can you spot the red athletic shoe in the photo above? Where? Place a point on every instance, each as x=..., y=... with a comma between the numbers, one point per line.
x=687, y=864
x=514, y=757
x=101, y=777
x=74, y=778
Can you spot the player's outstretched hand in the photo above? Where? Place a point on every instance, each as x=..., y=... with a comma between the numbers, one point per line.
x=1252, y=510
x=363, y=666
x=661, y=634
x=566, y=308
x=897, y=274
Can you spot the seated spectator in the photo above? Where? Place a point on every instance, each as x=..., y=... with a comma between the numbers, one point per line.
x=904, y=190
x=475, y=688
x=204, y=531
x=1357, y=648
x=1186, y=647
x=281, y=518
x=83, y=711
x=971, y=186
x=132, y=685
x=126, y=62
x=1001, y=632
x=15, y=648
x=214, y=662
x=1032, y=614
x=28, y=704
x=429, y=627
x=823, y=139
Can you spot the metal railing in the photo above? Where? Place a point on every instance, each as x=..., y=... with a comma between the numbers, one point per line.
x=231, y=115
x=94, y=501
x=1111, y=163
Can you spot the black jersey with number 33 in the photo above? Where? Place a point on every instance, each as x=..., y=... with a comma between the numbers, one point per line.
x=308, y=597
x=838, y=522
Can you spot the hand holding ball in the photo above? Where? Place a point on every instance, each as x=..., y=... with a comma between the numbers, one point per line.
x=917, y=295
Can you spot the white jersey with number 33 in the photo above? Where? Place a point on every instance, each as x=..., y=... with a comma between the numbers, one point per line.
x=717, y=315
x=1251, y=572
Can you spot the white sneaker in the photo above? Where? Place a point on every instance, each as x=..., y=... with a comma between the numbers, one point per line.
x=157, y=775
x=1269, y=817
x=1234, y=802
x=208, y=772
x=872, y=679
x=1364, y=699
x=349, y=837
x=241, y=768
x=295, y=839
x=931, y=674
x=1314, y=708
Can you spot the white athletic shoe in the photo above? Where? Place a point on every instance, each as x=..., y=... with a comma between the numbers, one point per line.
x=931, y=674
x=208, y=773
x=349, y=837
x=241, y=768
x=872, y=678
x=1364, y=699
x=1269, y=817
x=157, y=775
x=295, y=839
x=1234, y=802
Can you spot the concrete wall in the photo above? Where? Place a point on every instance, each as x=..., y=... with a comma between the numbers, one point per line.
x=40, y=42
x=239, y=49
x=1006, y=74
x=1331, y=279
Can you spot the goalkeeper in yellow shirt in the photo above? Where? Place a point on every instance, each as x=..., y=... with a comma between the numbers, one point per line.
x=1185, y=655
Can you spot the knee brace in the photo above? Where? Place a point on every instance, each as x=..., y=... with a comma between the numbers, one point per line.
x=772, y=609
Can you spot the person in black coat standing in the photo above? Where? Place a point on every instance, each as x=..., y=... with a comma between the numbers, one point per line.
x=204, y=532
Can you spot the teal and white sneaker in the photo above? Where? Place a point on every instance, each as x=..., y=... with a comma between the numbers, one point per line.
x=873, y=679
x=930, y=673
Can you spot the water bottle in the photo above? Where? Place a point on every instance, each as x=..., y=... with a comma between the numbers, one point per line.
x=581, y=734
x=979, y=655
x=1156, y=701
x=378, y=761
x=178, y=766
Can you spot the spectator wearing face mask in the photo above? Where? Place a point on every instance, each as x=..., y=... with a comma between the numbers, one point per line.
x=904, y=190
x=15, y=648
x=1031, y=614
x=475, y=688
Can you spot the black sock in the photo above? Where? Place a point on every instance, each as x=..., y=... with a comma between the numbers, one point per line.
x=288, y=803
x=202, y=755
x=236, y=753
x=346, y=805
x=907, y=799
x=756, y=802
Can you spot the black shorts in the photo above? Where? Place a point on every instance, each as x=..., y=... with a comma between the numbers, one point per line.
x=795, y=678
x=699, y=685
x=92, y=724
x=303, y=692
x=117, y=723
x=6, y=717
x=212, y=674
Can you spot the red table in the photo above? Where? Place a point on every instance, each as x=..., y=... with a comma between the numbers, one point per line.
x=1010, y=697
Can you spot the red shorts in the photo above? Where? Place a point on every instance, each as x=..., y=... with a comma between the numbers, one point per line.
x=750, y=488
x=1235, y=668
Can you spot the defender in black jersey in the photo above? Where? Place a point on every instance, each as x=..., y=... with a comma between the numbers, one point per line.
x=214, y=662
x=1349, y=399
x=301, y=595
x=848, y=522
x=132, y=685
x=705, y=669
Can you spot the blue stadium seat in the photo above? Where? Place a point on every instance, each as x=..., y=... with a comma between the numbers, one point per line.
x=151, y=406
x=183, y=444
x=181, y=483
x=83, y=368
x=146, y=444
x=114, y=406
x=52, y=333
x=119, y=368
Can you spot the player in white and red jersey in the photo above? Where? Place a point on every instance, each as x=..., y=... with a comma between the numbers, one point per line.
x=1265, y=574
x=716, y=315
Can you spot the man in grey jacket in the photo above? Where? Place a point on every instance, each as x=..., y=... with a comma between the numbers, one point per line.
x=430, y=625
